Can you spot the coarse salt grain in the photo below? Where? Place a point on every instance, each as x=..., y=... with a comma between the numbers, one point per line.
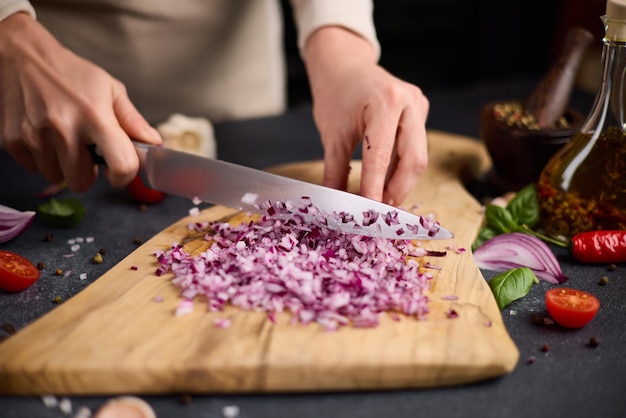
x=83, y=412
x=82, y=276
x=50, y=401
x=65, y=406
x=195, y=211
x=230, y=411
x=75, y=247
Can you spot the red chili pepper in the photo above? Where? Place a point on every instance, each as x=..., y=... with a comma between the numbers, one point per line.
x=600, y=246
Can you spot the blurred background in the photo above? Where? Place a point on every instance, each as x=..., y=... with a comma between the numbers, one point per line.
x=443, y=45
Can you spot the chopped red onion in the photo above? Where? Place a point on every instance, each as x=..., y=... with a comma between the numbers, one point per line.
x=452, y=314
x=185, y=307
x=304, y=267
x=516, y=249
x=222, y=322
x=13, y=222
x=250, y=198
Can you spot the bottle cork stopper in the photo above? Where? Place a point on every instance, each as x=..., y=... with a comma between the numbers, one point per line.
x=616, y=13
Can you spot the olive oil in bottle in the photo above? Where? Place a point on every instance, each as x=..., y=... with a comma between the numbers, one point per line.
x=583, y=186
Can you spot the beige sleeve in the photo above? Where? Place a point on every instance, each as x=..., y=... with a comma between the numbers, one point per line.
x=10, y=7
x=355, y=15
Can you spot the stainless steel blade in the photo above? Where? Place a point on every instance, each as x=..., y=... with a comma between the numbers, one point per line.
x=248, y=189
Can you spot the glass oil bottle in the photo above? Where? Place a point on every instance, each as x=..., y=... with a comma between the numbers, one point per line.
x=583, y=186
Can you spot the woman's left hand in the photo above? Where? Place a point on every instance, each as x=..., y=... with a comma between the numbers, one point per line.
x=356, y=101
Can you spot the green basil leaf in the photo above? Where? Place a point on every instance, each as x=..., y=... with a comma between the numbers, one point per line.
x=62, y=213
x=511, y=285
x=500, y=220
x=483, y=235
x=524, y=207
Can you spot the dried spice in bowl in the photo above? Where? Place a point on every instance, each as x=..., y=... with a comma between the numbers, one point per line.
x=518, y=148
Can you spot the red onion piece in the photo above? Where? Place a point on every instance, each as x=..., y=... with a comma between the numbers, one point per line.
x=13, y=222
x=508, y=251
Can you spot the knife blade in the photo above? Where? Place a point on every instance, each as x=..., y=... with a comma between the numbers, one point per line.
x=239, y=187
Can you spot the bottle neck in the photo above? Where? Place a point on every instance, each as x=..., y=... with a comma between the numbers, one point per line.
x=609, y=108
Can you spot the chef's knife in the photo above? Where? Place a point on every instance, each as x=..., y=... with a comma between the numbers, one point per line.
x=247, y=189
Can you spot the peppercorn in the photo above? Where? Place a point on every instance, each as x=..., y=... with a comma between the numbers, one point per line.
x=102, y=251
x=538, y=320
x=8, y=328
x=545, y=348
x=513, y=114
x=530, y=360
x=593, y=342
x=137, y=241
x=603, y=281
x=611, y=267
x=47, y=238
x=58, y=272
x=58, y=299
x=97, y=259
x=185, y=399
x=41, y=265
x=142, y=207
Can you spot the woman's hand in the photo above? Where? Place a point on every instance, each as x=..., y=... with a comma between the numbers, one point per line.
x=357, y=101
x=54, y=103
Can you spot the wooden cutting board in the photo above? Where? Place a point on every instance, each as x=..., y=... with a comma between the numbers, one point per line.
x=114, y=338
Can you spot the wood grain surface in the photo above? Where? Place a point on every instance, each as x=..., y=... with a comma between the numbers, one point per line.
x=114, y=338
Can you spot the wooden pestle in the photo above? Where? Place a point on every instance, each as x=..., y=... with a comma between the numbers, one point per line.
x=547, y=103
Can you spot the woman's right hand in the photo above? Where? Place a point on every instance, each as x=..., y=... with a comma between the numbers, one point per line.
x=54, y=103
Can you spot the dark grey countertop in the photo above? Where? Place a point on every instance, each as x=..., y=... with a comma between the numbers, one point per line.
x=570, y=380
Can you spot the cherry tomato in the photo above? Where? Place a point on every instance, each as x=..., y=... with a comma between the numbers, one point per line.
x=144, y=194
x=571, y=308
x=16, y=272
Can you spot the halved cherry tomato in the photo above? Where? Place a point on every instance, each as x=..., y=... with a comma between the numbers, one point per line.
x=16, y=272
x=571, y=308
x=144, y=194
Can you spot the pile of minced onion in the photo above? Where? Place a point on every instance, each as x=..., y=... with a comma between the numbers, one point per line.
x=275, y=264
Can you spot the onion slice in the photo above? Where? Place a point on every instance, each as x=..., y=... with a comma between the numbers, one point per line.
x=508, y=251
x=13, y=222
